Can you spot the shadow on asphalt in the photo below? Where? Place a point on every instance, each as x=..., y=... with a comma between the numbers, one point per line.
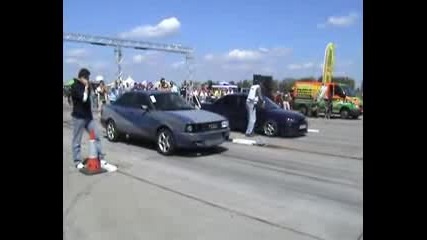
x=336, y=117
x=180, y=152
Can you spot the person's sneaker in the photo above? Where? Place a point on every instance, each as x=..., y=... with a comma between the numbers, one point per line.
x=103, y=162
x=79, y=165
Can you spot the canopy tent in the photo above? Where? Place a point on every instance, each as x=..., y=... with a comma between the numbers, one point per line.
x=225, y=86
x=129, y=81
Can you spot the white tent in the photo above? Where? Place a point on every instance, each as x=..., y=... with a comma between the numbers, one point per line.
x=99, y=78
x=129, y=81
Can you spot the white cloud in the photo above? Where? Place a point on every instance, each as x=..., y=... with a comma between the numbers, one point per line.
x=76, y=53
x=263, y=50
x=165, y=27
x=138, y=58
x=243, y=55
x=300, y=66
x=340, y=21
x=71, y=60
x=247, y=55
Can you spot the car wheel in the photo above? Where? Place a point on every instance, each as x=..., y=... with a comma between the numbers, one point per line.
x=112, y=133
x=270, y=128
x=165, y=142
x=314, y=113
x=303, y=110
x=344, y=113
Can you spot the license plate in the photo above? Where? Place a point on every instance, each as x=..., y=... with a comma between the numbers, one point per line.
x=213, y=126
x=302, y=126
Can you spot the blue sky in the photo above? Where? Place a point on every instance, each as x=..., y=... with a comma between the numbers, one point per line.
x=232, y=39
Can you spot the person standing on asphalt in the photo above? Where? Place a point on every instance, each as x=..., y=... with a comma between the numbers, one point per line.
x=82, y=117
x=254, y=97
x=113, y=93
x=102, y=96
x=329, y=95
x=174, y=89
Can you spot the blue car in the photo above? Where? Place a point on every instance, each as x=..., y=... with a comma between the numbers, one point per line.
x=271, y=119
x=164, y=118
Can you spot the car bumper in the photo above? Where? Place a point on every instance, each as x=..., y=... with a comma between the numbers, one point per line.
x=295, y=129
x=203, y=139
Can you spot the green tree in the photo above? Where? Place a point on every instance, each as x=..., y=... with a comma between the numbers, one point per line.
x=246, y=84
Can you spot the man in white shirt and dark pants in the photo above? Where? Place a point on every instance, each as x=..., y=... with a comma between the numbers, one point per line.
x=253, y=99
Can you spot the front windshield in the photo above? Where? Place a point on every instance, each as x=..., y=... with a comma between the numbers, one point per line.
x=169, y=102
x=349, y=92
x=269, y=104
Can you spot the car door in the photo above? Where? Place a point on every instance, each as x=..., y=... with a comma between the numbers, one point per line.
x=122, y=108
x=143, y=122
x=241, y=113
x=231, y=109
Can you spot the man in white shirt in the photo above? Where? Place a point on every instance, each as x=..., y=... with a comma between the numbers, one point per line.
x=254, y=97
x=174, y=88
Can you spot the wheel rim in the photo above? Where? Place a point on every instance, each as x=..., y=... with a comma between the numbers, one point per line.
x=344, y=114
x=164, y=142
x=269, y=129
x=110, y=131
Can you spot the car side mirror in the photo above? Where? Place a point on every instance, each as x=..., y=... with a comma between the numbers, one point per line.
x=145, y=108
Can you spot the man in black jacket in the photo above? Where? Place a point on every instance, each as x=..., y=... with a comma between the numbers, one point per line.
x=82, y=117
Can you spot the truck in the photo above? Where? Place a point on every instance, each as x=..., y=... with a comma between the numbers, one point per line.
x=351, y=96
x=305, y=99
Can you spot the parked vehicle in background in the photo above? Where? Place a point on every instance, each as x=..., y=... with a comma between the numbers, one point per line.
x=271, y=120
x=164, y=118
x=244, y=90
x=305, y=100
x=351, y=96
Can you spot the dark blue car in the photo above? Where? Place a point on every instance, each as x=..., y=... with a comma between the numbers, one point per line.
x=271, y=119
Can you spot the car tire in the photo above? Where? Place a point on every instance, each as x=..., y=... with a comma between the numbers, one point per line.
x=165, y=142
x=270, y=129
x=344, y=113
x=303, y=109
x=112, y=133
x=314, y=114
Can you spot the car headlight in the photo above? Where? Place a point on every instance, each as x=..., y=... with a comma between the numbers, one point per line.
x=189, y=128
x=224, y=124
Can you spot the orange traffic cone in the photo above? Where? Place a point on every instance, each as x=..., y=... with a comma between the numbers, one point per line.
x=92, y=163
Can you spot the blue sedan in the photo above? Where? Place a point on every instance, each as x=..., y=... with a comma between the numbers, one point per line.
x=271, y=119
x=164, y=118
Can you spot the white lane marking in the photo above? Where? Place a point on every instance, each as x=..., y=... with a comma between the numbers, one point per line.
x=243, y=141
x=313, y=130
